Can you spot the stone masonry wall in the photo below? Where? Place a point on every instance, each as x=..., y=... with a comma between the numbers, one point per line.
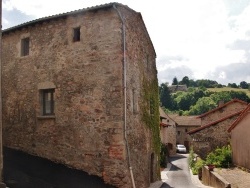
x=208, y=139
x=87, y=130
x=141, y=70
x=223, y=112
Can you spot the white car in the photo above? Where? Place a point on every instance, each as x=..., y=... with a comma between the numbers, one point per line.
x=181, y=148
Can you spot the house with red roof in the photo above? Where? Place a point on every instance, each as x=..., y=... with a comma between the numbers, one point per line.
x=223, y=110
x=168, y=132
x=184, y=125
x=214, y=125
x=240, y=139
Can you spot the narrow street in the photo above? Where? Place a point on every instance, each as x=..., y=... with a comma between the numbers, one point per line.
x=179, y=175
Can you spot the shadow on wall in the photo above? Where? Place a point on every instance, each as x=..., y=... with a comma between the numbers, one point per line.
x=26, y=171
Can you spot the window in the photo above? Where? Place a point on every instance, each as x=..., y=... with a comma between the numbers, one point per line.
x=25, y=44
x=48, y=101
x=76, y=34
x=178, y=132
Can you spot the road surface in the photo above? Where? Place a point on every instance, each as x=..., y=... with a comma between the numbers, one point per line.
x=179, y=174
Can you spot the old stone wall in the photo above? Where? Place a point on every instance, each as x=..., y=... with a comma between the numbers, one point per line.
x=87, y=130
x=209, y=138
x=141, y=72
x=223, y=112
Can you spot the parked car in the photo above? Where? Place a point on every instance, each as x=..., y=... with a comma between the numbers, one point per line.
x=181, y=148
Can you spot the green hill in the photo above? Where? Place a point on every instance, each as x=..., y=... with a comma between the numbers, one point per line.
x=229, y=89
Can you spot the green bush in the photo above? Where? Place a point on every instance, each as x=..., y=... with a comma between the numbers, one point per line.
x=220, y=157
x=197, y=166
x=163, y=154
x=195, y=163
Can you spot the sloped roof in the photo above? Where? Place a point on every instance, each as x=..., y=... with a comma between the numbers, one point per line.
x=63, y=15
x=213, y=123
x=186, y=120
x=222, y=106
x=241, y=116
x=162, y=113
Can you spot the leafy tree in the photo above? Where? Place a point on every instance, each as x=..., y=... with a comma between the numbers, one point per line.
x=175, y=81
x=165, y=97
x=184, y=101
x=221, y=96
x=244, y=85
x=232, y=85
x=241, y=95
x=185, y=80
x=203, y=105
x=192, y=83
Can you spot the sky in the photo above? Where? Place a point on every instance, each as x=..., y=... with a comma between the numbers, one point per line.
x=201, y=39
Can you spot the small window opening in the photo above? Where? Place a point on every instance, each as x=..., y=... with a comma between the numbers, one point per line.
x=77, y=34
x=48, y=101
x=25, y=43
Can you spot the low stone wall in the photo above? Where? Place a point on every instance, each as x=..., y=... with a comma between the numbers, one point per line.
x=213, y=179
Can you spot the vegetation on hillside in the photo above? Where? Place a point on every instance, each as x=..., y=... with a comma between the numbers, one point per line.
x=199, y=98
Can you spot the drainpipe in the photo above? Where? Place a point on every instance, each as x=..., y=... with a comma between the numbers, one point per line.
x=125, y=94
x=1, y=120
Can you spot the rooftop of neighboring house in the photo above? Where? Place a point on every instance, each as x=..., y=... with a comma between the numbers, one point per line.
x=241, y=117
x=186, y=120
x=165, y=118
x=63, y=15
x=222, y=106
x=175, y=88
x=214, y=123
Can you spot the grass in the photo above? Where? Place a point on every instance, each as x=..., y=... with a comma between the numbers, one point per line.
x=230, y=89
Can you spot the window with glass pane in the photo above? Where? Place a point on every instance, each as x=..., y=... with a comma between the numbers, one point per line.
x=48, y=102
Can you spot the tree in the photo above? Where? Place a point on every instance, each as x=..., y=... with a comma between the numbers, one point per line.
x=185, y=80
x=232, y=85
x=165, y=96
x=244, y=85
x=203, y=105
x=175, y=81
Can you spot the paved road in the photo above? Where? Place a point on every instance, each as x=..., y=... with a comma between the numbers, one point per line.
x=179, y=174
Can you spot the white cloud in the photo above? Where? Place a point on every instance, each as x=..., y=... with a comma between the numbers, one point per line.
x=200, y=31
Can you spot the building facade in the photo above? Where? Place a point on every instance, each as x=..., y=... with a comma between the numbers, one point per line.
x=168, y=132
x=215, y=123
x=184, y=125
x=239, y=132
x=81, y=89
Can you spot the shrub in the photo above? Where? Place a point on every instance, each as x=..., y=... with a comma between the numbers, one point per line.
x=163, y=154
x=220, y=157
x=195, y=165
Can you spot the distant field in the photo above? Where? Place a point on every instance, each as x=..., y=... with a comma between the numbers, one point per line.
x=229, y=89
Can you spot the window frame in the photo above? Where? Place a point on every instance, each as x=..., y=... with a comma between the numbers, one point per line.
x=25, y=46
x=47, y=103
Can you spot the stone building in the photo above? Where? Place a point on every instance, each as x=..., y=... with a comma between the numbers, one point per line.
x=80, y=89
x=240, y=138
x=175, y=88
x=222, y=110
x=215, y=123
x=168, y=132
x=184, y=125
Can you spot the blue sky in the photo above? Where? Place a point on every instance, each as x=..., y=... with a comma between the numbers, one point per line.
x=201, y=39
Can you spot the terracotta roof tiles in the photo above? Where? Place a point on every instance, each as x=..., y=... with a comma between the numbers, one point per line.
x=213, y=123
x=221, y=106
x=241, y=116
